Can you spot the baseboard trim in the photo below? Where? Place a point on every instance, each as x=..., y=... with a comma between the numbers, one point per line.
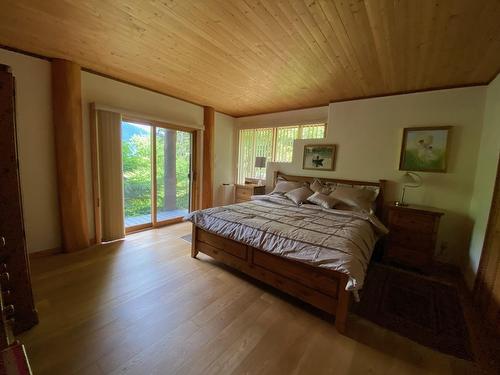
x=44, y=253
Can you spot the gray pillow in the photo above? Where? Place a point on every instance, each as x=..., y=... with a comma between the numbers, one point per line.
x=318, y=187
x=284, y=186
x=300, y=195
x=322, y=200
x=357, y=198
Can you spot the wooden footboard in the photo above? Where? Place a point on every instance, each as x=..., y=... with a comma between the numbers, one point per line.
x=322, y=288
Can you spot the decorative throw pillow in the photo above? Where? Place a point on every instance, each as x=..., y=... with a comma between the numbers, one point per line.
x=300, y=195
x=322, y=200
x=318, y=187
x=284, y=186
x=358, y=198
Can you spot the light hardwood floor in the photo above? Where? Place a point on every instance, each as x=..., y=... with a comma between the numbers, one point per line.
x=143, y=306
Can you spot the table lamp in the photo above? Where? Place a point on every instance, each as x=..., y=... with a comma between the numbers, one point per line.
x=409, y=180
x=260, y=162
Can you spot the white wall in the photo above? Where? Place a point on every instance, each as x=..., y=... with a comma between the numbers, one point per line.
x=373, y=126
x=114, y=94
x=36, y=149
x=368, y=136
x=484, y=182
x=224, y=171
x=36, y=138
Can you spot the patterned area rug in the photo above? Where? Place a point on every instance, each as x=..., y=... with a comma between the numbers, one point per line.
x=425, y=311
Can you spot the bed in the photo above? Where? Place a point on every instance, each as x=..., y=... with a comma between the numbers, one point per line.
x=317, y=255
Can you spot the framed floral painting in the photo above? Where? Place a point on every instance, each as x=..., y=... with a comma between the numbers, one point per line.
x=424, y=149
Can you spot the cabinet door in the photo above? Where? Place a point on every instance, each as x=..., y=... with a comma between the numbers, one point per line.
x=13, y=257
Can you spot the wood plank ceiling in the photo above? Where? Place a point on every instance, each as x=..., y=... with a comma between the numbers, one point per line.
x=246, y=57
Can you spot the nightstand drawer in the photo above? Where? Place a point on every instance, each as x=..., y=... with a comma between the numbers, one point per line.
x=407, y=256
x=412, y=235
x=412, y=240
x=412, y=222
x=244, y=194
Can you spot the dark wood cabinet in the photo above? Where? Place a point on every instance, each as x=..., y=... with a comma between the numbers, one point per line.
x=412, y=235
x=17, y=306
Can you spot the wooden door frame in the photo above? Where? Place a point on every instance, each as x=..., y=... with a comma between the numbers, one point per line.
x=94, y=162
x=193, y=199
x=154, y=185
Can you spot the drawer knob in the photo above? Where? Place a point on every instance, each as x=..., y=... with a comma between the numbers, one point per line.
x=9, y=311
x=6, y=296
x=4, y=281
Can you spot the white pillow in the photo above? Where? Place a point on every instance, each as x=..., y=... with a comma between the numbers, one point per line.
x=300, y=195
x=318, y=187
x=322, y=200
x=283, y=186
x=359, y=198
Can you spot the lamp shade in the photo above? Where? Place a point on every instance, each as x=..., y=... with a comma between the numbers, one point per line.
x=408, y=179
x=411, y=179
x=260, y=162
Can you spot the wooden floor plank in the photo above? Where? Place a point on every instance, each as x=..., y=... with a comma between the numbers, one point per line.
x=143, y=306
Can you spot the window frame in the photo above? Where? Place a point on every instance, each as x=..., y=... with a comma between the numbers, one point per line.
x=300, y=126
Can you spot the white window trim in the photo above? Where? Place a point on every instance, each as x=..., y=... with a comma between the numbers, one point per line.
x=275, y=132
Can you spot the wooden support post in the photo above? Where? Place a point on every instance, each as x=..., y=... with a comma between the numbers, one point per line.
x=208, y=157
x=68, y=130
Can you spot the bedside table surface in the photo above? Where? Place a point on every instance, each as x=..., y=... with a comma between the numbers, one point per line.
x=249, y=186
x=417, y=209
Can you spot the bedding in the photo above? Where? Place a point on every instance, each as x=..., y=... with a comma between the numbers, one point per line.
x=332, y=239
x=299, y=195
x=355, y=197
x=318, y=187
x=323, y=200
x=284, y=186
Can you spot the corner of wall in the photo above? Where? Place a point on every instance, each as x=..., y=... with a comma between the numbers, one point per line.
x=484, y=180
x=224, y=156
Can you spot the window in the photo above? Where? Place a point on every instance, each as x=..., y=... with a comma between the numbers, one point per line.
x=275, y=144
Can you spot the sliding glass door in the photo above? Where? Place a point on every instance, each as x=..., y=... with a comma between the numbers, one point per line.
x=157, y=164
x=137, y=174
x=173, y=173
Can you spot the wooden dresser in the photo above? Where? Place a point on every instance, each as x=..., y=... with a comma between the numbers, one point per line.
x=17, y=308
x=412, y=235
x=244, y=192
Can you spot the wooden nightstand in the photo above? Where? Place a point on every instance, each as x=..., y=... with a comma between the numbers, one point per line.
x=244, y=192
x=412, y=235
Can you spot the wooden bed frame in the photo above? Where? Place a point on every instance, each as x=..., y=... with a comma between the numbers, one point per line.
x=322, y=288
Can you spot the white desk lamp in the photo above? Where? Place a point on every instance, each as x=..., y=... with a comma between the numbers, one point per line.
x=409, y=180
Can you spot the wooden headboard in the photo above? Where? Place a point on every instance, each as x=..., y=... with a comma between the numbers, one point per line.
x=380, y=184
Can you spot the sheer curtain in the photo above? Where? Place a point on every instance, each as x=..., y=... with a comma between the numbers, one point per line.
x=109, y=155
